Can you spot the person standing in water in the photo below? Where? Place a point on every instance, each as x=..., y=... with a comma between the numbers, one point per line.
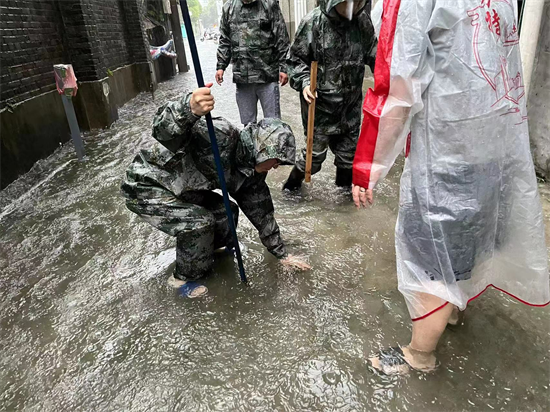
x=338, y=34
x=449, y=90
x=254, y=39
x=171, y=185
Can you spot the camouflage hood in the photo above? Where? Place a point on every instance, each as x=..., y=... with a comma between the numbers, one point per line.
x=327, y=7
x=265, y=140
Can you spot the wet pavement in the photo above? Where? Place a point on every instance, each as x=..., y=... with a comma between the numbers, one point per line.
x=89, y=324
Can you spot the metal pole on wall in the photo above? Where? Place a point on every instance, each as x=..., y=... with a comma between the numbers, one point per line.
x=213, y=141
x=178, y=37
x=529, y=38
x=73, y=125
x=67, y=88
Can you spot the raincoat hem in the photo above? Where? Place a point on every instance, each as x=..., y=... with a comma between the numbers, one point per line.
x=536, y=305
x=430, y=313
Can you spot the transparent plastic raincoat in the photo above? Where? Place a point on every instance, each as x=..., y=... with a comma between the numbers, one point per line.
x=449, y=91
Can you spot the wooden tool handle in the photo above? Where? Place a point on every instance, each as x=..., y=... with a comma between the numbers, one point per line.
x=311, y=121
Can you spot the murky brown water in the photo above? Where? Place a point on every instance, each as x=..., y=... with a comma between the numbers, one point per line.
x=88, y=323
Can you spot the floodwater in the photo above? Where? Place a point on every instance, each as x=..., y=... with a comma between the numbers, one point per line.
x=89, y=324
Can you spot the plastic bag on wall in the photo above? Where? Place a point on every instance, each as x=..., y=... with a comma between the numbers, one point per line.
x=164, y=50
x=65, y=79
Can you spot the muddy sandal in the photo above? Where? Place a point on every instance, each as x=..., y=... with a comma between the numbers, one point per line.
x=192, y=290
x=390, y=362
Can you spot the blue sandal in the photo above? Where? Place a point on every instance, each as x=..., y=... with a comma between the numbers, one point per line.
x=190, y=287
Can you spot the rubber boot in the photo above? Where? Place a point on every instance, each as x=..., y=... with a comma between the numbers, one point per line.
x=295, y=179
x=343, y=177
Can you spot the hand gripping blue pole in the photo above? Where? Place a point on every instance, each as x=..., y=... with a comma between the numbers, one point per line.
x=212, y=133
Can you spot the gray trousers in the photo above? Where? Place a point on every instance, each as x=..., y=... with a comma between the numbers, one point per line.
x=247, y=100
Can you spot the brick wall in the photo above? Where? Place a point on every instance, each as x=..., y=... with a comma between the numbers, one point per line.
x=92, y=35
x=32, y=42
x=136, y=38
x=105, y=34
x=82, y=48
x=112, y=33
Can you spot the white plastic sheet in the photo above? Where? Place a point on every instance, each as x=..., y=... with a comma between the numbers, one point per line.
x=449, y=72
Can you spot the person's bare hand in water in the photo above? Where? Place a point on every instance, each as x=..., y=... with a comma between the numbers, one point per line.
x=294, y=262
x=202, y=101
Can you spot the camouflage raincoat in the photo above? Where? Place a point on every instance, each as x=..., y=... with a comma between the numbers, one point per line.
x=171, y=185
x=342, y=48
x=254, y=39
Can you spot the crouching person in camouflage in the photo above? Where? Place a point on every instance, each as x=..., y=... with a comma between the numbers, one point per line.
x=339, y=35
x=171, y=185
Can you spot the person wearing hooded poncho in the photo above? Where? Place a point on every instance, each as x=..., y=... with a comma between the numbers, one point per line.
x=449, y=92
x=171, y=185
x=338, y=34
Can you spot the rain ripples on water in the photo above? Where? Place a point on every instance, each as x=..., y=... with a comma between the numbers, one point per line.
x=89, y=324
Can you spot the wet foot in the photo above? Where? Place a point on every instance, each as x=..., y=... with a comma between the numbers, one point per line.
x=231, y=249
x=456, y=318
x=189, y=289
x=294, y=181
x=399, y=361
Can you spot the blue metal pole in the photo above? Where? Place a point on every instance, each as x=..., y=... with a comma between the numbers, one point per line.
x=212, y=133
x=73, y=126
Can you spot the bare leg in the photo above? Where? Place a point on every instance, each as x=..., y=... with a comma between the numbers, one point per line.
x=425, y=336
x=454, y=319
x=419, y=354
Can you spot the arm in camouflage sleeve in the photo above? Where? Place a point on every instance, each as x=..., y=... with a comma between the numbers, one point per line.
x=370, y=59
x=173, y=122
x=224, y=46
x=300, y=55
x=282, y=42
x=255, y=202
x=370, y=45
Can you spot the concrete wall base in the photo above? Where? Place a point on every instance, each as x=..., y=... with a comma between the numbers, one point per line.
x=539, y=100
x=30, y=131
x=97, y=102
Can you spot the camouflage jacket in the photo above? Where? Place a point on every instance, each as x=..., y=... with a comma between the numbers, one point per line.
x=342, y=48
x=254, y=39
x=183, y=161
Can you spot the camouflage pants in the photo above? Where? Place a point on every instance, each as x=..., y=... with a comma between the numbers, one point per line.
x=342, y=145
x=198, y=221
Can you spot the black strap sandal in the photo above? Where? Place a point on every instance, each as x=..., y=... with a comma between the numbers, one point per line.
x=391, y=362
